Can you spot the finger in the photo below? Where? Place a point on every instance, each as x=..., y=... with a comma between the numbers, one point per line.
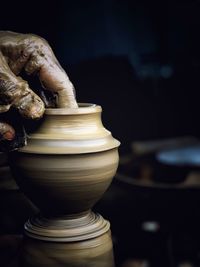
x=6, y=132
x=16, y=51
x=14, y=91
x=12, y=47
x=55, y=79
x=28, y=103
x=51, y=74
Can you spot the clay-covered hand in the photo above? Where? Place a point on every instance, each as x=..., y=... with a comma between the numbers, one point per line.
x=34, y=55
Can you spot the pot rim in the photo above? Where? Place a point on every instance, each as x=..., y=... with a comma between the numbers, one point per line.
x=83, y=108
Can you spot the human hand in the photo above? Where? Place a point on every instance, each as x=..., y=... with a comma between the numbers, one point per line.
x=33, y=54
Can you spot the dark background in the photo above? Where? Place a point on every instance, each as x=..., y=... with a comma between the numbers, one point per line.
x=139, y=60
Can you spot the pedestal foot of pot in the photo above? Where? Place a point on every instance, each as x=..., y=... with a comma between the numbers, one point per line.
x=84, y=241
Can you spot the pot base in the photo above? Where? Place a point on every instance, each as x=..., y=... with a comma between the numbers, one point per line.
x=83, y=241
x=88, y=226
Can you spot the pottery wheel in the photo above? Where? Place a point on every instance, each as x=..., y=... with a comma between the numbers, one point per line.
x=67, y=230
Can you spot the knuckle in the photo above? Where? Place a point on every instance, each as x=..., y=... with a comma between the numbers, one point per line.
x=38, y=47
x=32, y=66
x=37, y=40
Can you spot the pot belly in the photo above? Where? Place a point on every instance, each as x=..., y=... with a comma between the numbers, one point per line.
x=64, y=184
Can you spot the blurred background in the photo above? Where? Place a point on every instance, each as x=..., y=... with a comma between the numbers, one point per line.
x=139, y=60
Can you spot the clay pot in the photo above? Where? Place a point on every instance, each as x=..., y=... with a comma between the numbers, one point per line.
x=68, y=163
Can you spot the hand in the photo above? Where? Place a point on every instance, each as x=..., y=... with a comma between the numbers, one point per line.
x=33, y=54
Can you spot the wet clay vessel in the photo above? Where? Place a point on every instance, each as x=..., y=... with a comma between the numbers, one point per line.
x=66, y=166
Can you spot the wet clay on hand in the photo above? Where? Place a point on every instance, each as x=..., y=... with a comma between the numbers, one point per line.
x=34, y=55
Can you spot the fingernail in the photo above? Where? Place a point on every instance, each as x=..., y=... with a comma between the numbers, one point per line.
x=9, y=135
